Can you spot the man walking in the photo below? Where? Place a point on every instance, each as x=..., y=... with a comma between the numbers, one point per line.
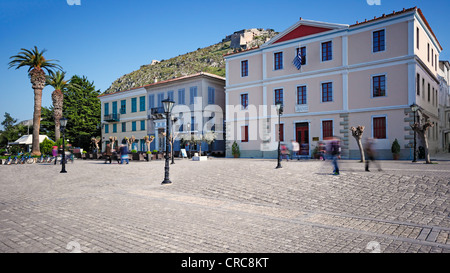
x=335, y=152
x=370, y=153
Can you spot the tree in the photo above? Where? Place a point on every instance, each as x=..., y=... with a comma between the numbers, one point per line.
x=48, y=122
x=358, y=134
x=36, y=63
x=148, y=140
x=421, y=130
x=12, y=130
x=56, y=80
x=82, y=108
x=47, y=146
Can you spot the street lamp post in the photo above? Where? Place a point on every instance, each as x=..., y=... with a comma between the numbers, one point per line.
x=173, y=139
x=189, y=141
x=414, y=109
x=63, y=122
x=168, y=105
x=279, y=105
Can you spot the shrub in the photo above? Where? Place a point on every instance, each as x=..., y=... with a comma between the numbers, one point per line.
x=46, y=146
x=395, y=149
x=235, y=149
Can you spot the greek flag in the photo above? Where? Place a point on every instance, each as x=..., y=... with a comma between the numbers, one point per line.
x=298, y=60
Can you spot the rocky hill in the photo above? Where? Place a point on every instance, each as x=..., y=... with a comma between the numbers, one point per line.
x=209, y=59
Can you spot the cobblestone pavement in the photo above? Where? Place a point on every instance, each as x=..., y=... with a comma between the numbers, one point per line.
x=225, y=206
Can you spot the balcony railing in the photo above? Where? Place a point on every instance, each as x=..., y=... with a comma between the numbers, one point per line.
x=112, y=118
x=158, y=113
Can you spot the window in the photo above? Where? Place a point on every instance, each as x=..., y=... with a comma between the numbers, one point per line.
x=432, y=57
x=244, y=101
x=428, y=52
x=418, y=84
x=244, y=68
x=133, y=105
x=436, y=93
x=279, y=132
x=327, y=129
x=133, y=126
x=193, y=93
x=279, y=96
x=181, y=99
x=123, y=107
x=115, y=128
x=114, y=107
x=301, y=95
x=327, y=92
x=423, y=88
x=379, y=41
x=142, y=103
x=151, y=101
x=192, y=125
x=244, y=133
x=303, y=54
x=278, y=60
x=379, y=86
x=379, y=128
x=124, y=126
x=160, y=99
x=142, y=125
x=106, y=128
x=106, y=109
x=432, y=94
x=170, y=95
x=429, y=92
x=211, y=95
x=327, y=51
x=417, y=36
x=435, y=62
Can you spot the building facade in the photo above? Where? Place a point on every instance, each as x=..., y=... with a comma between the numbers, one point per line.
x=444, y=106
x=199, y=106
x=364, y=74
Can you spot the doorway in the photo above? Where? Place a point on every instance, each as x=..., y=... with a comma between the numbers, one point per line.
x=302, y=137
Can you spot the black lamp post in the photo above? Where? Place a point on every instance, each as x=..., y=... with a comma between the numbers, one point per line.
x=63, y=122
x=414, y=109
x=279, y=105
x=168, y=105
x=174, y=119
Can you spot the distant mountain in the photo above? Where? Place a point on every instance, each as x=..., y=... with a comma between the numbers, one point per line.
x=209, y=59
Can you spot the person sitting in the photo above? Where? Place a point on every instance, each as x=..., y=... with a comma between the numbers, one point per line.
x=108, y=154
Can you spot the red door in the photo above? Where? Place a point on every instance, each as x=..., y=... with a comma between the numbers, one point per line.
x=302, y=137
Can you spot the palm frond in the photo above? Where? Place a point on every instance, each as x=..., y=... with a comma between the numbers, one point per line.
x=33, y=59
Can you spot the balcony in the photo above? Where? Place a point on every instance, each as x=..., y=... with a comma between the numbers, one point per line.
x=112, y=118
x=158, y=113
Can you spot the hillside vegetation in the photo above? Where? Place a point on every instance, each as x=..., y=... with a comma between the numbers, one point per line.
x=209, y=59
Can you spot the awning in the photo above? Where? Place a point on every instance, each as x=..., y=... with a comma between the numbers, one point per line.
x=28, y=140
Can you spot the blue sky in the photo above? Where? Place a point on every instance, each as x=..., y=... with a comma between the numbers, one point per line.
x=105, y=39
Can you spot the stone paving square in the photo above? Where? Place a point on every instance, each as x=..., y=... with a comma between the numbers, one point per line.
x=225, y=206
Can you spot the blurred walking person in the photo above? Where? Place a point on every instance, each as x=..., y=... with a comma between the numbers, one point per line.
x=370, y=154
x=295, y=149
x=124, y=154
x=55, y=153
x=108, y=154
x=335, y=154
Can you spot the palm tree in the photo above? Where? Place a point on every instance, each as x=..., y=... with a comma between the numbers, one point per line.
x=36, y=63
x=56, y=80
